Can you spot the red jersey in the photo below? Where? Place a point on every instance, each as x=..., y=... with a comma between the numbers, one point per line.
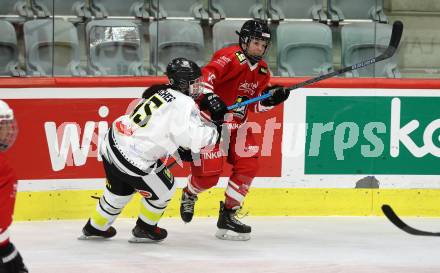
x=8, y=188
x=234, y=79
x=6, y=171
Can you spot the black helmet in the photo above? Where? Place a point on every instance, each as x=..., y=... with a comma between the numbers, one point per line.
x=254, y=29
x=184, y=74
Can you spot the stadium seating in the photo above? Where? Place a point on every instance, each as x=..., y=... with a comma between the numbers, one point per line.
x=224, y=33
x=51, y=51
x=16, y=10
x=40, y=11
x=296, y=9
x=340, y=10
x=8, y=51
x=176, y=39
x=221, y=9
x=182, y=8
x=362, y=41
x=67, y=8
x=304, y=49
x=118, y=8
x=115, y=48
x=139, y=37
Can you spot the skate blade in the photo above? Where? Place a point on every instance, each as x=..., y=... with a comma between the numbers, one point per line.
x=92, y=238
x=137, y=240
x=222, y=234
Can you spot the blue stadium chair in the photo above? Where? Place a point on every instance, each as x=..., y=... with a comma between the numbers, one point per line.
x=362, y=41
x=182, y=8
x=8, y=51
x=304, y=49
x=66, y=8
x=16, y=10
x=52, y=48
x=118, y=8
x=224, y=33
x=221, y=9
x=115, y=48
x=340, y=10
x=170, y=39
x=296, y=9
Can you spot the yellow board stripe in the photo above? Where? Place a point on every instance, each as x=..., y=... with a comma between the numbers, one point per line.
x=77, y=204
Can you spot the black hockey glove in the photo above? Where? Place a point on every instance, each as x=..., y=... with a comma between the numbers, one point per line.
x=216, y=107
x=11, y=261
x=279, y=94
x=185, y=154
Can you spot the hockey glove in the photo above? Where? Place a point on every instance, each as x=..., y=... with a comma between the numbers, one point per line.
x=11, y=261
x=216, y=107
x=185, y=154
x=279, y=94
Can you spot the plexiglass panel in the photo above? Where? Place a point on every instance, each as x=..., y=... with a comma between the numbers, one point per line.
x=56, y=37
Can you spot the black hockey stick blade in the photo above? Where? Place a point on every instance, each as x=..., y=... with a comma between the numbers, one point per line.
x=396, y=36
x=392, y=216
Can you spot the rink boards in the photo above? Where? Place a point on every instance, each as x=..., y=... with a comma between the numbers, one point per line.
x=336, y=149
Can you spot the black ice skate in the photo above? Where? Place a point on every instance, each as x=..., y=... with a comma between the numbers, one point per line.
x=145, y=233
x=230, y=228
x=90, y=233
x=187, y=206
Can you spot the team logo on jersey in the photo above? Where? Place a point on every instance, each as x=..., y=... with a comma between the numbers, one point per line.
x=145, y=194
x=222, y=61
x=263, y=70
x=240, y=111
x=240, y=56
x=248, y=87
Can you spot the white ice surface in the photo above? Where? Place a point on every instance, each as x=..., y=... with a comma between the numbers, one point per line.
x=278, y=244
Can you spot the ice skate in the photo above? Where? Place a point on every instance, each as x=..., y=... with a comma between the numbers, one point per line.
x=229, y=227
x=187, y=206
x=91, y=233
x=145, y=233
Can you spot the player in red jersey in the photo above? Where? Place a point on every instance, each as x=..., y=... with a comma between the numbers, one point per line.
x=10, y=258
x=235, y=74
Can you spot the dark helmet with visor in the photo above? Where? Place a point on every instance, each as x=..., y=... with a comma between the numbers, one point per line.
x=254, y=29
x=184, y=76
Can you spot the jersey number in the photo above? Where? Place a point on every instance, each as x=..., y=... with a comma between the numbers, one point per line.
x=142, y=113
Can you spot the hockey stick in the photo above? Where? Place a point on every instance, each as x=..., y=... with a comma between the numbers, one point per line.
x=169, y=166
x=396, y=35
x=392, y=216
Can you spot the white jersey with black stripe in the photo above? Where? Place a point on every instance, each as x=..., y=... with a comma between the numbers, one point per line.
x=157, y=127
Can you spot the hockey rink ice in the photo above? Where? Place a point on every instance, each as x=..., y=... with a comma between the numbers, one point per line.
x=278, y=244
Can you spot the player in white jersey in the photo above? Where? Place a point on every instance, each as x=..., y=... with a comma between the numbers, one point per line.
x=167, y=118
